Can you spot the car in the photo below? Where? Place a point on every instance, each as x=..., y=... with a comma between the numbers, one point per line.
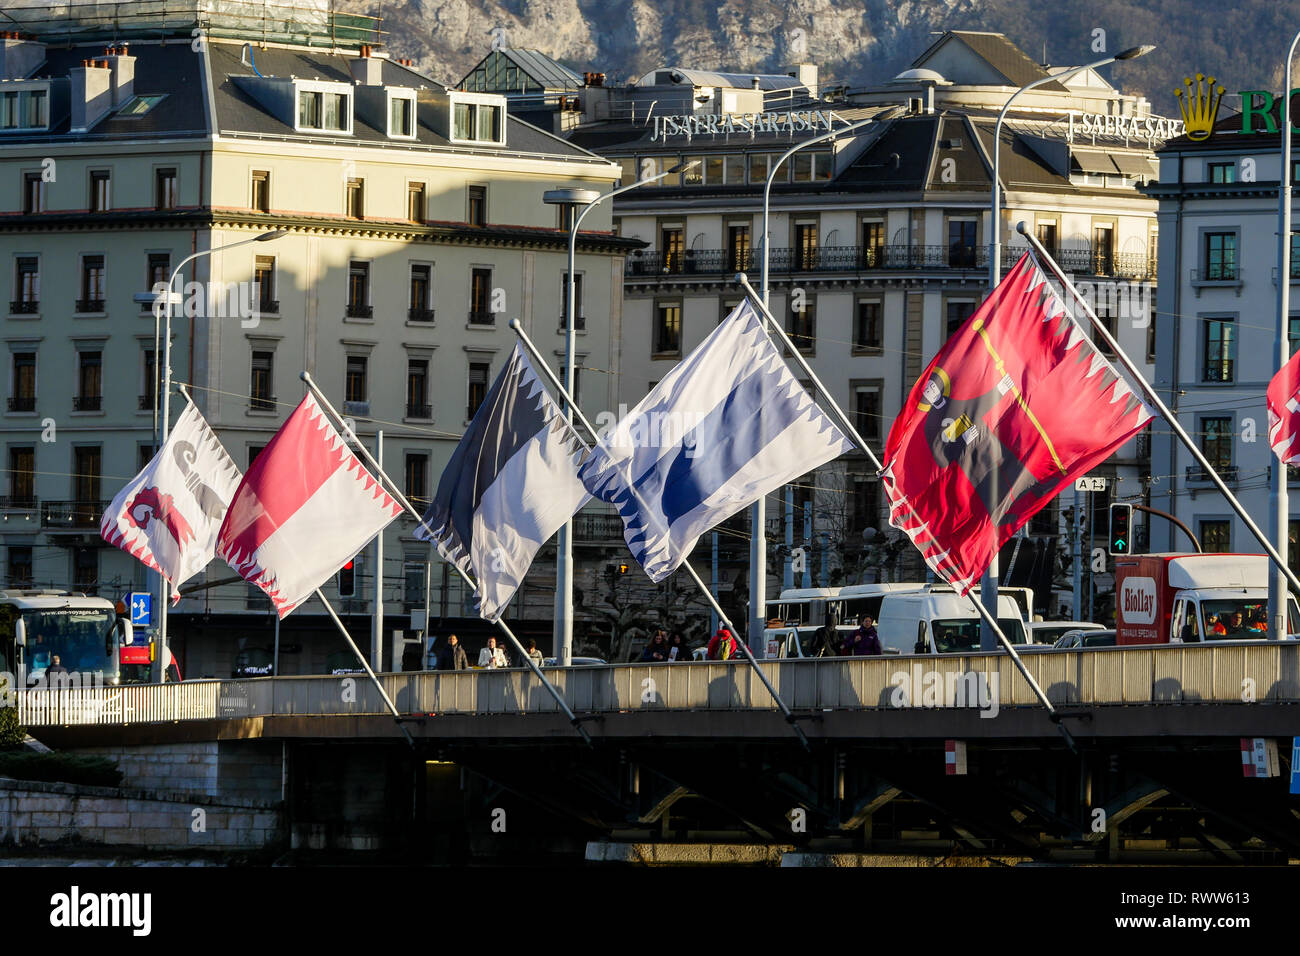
x=1047, y=632
x=1083, y=638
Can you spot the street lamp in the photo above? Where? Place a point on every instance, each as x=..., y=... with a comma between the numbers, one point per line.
x=572, y=198
x=1278, y=495
x=989, y=581
x=162, y=306
x=758, y=513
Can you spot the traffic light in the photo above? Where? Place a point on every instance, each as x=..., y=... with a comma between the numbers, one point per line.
x=1121, y=529
x=348, y=579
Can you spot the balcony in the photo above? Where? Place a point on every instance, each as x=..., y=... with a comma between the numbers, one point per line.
x=86, y=306
x=88, y=403
x=261, y=403
x=268, y=307
x=356, y=407
x=73, y=515
x=357, y=311
x=579, y=323
x=419, y=315
x=1197, y=474
x=146, y=403
x=868, y=260
x=22, y=403
x=19, y=513
x=419, y=411
x=25, y=307
x=482, y=318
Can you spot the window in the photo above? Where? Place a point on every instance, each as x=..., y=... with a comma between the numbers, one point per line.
x=801, y=166
x=958, y=311
x=23, y=398
x=260, y=190
x=1219, y=349
x=144, y=454
x=164, y=189
x=480, y=293
x=417, y=389
x=579, y=320
x=415, y=202
x=27, y=286
x=418, y=308
x=22, y=475
x=873, y=245
x=961, y=243
x=668, y=328
x=354, y=202
x=1045, y=231
x=85, y=569
x=264, y=279
x=99, y=182
x=726, y=307
x=260, y=396
x=253, y=452
x=359, y=290
x=322, y=110
x=671, y=246
x=20, y=566
x=24, y=109
x=866, y=412
x=158, y=271
x=1220, y=256
x=478, y=386
x=566, y=216
x=1107, y=319
x=1217, y=440
x=477, y=205
x=476, y=122
x=92, y=284
x=1216, y=535
x=758, y=168
x=148, y=378
x=137, y=106
x=33, y=193
x=802, y=325
x=805, y=244
x=1222, y=173
x=867, y=335
x=86, y=461
x=417, y=477
x=354, y=383
x=1295, y=255
x=90, y=381
x=1151, y=334
x=738, y=247
x=1103, y=250
x=401, y=116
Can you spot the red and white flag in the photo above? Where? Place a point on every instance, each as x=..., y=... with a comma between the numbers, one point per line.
x=1016, y=405
x=1284, y=412
x=169, y=514
x=305, y=508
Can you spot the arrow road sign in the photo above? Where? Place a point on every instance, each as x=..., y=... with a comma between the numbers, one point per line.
x=141, y=609
x=1088, y=483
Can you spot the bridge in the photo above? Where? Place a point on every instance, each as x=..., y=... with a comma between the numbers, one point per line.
x=1151, y=770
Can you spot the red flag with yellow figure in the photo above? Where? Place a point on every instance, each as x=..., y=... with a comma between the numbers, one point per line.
x=1016, y=405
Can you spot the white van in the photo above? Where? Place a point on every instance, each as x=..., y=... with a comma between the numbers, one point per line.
x=801, y=613
x=936, y=618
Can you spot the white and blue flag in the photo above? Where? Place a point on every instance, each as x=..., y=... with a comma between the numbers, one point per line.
x=727, y=425
x=511, y=483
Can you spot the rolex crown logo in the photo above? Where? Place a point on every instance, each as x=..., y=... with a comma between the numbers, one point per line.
x=1200, y=104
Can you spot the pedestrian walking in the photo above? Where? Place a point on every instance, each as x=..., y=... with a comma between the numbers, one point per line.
x=492, y=656
x=452, y=657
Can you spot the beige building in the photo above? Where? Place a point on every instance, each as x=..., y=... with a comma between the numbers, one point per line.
x=415, y=230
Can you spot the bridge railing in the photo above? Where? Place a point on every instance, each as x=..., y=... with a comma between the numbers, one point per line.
x=1211, y=673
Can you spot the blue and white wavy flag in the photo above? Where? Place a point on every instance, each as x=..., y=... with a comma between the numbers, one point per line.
x=510, y=484
x=727, y=425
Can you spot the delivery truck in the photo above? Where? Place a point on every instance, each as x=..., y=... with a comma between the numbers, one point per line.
x=1188, y=598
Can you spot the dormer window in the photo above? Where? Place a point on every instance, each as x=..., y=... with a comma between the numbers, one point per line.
x=478, y=119
x=401, y=115
x=25, y=109
x=324, y=107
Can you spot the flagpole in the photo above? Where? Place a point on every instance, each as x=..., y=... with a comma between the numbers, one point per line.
x=1169, y=417
x=852, y=432
x=364, y=663
x=402, y=500
x=717, y=608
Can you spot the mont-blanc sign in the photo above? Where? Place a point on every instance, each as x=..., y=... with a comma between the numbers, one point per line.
x=792, y=121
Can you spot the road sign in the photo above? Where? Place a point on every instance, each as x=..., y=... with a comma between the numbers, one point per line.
x=1089, y=483
x=1121, y=528
x=141, y=609
x=1295, y=764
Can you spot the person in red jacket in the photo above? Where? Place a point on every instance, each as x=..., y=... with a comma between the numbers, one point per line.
x=723, y=646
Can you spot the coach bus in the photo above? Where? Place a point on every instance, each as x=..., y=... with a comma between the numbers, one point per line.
x=71, y=632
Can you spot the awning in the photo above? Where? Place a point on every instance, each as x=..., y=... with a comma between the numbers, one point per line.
x=1093, y=161
x=1135, y=165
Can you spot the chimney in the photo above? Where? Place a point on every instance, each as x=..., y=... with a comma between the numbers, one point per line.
x=806, y=74
x=366, y=69
x=755, y=83
x=92, y=93
x=19, y=55
x=122, y=67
